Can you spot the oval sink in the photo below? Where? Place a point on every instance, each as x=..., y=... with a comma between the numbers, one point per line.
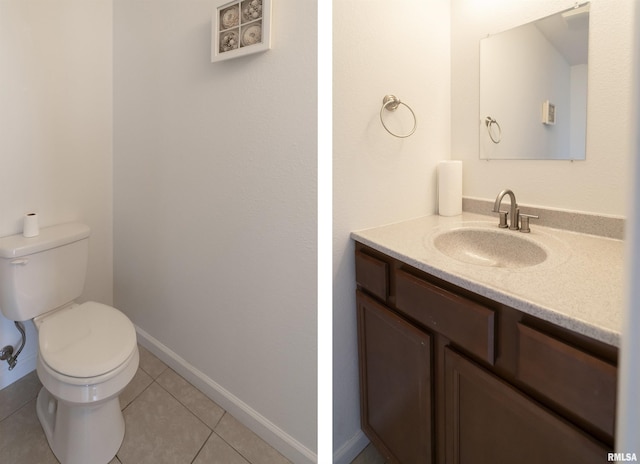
x=490, y=247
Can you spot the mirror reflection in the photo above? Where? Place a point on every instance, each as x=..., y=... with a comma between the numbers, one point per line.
x=533, y=89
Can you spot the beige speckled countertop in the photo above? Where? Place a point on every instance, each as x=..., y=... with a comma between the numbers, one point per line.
x=579, y=287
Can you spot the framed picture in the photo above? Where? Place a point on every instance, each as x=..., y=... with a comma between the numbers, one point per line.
x=548, y=113
x=239, y=28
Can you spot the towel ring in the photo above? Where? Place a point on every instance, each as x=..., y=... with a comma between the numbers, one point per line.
x=489, y=121
x=391, y=103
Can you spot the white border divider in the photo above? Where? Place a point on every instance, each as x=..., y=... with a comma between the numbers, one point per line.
x=628, y=412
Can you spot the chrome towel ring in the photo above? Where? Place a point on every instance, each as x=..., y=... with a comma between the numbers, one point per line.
x=489, y=122
x=391, y=103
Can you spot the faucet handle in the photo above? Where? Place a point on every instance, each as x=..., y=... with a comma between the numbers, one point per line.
x=524, y=222
x=503, y=219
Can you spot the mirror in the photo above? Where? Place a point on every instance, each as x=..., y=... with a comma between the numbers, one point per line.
x=533, y=89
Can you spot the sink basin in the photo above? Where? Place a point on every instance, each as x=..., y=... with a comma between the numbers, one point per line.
x=490, y=247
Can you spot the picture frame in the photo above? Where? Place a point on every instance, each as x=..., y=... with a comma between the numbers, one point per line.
x=548, y=113
x=239, y=28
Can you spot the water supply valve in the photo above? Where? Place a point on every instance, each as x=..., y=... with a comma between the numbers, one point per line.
x=6, y=353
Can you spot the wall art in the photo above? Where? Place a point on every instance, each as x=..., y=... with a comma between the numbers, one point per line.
x=240, y=28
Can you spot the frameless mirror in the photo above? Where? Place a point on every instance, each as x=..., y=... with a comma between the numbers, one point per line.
x=533, y=89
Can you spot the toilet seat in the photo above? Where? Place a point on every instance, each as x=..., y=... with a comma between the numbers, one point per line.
x=86, y=341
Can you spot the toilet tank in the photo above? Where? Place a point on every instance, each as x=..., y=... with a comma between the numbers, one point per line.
x=41, y=273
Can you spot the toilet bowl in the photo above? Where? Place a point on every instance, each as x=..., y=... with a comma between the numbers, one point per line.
x=87, y=352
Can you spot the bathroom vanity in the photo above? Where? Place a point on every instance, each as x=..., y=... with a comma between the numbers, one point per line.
x=462, y=362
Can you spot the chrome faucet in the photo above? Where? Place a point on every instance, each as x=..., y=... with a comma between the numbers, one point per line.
x=514, y=212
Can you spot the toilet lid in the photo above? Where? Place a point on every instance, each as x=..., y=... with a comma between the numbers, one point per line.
x=87, y=340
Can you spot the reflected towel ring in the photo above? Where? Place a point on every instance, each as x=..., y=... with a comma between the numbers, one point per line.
x=489, y=121
x=391, y=103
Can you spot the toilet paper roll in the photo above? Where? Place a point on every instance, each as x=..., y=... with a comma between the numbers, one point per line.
x=30, y=228
x=449, y=188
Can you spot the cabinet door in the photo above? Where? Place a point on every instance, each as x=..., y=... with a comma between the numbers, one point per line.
x=489, y=421
x=395, y=384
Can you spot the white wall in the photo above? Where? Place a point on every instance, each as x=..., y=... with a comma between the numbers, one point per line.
x=55, y=133
x=215, y=206
x=596, y=185
x=380, y=48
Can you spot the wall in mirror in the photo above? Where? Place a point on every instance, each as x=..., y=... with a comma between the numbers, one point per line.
x=533, y=89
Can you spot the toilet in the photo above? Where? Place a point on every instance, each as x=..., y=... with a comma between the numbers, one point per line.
x=87, y=352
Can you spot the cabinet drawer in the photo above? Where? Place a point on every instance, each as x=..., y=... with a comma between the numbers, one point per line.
x=578, y=381
x=465, y=322
x=372, y=274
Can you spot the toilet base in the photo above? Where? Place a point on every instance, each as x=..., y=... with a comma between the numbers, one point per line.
x=79, y=434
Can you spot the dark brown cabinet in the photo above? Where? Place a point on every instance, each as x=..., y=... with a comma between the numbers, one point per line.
x=395, y=365
x=451, y=377
x=488, y=421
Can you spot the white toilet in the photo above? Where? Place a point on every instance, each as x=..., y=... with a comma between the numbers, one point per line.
x=87, y=352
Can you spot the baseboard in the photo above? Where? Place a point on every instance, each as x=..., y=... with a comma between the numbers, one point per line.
x=257, y=423
x=351, y=449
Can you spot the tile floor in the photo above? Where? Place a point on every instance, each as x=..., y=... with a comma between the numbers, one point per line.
x=167, y=421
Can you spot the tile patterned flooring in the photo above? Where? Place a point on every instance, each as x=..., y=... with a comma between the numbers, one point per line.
x=168, y=421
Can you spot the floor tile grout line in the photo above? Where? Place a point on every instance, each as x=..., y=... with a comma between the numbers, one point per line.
x=202, y=447
x=131, y=403
x=240, y=453
x=137, y=396
x=151, y=375
x=19, y=409
x=212, y=429
x=11, y=414
x=23, y=378
x=193, y=413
